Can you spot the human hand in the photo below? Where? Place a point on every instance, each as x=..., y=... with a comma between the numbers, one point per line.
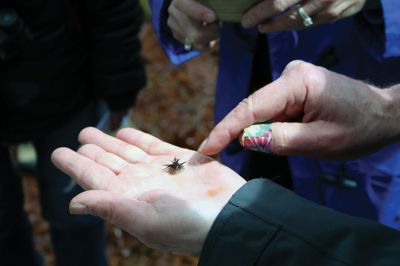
x=338, y=117
x=193, y=22
x=283, y=15
x=128, y=184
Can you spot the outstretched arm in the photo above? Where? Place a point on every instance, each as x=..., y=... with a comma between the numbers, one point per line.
x=207, y=208
x=315, y=112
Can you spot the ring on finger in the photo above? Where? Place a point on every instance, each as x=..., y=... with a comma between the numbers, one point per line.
x=188, y=44
x=307, y=20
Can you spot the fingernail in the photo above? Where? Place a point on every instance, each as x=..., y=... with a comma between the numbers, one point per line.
x=78, y=208
x=203, y=145
x=257, y=138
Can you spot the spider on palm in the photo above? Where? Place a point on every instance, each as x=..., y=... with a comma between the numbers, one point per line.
x=174, y=167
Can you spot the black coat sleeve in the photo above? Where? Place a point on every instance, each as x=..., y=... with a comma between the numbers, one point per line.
x=116, y=64
x=266, y=224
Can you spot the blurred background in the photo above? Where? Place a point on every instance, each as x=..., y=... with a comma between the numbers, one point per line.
x=176, y=106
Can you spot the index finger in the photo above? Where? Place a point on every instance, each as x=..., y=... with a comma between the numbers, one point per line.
x=128, y=152
x=195, y=10
x=146, y=142
x=87, y=173
x=277, y=99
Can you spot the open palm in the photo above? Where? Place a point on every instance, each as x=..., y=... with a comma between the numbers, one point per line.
x=128, y=183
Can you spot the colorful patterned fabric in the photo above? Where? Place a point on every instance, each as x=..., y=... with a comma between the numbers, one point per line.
x=257, y=138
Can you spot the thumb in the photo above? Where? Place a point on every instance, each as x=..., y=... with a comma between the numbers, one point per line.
x=318, y=139
x=122, y=211
x=280, y=99
x=293, y=138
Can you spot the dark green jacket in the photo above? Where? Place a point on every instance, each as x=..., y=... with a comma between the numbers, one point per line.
x=265, y=224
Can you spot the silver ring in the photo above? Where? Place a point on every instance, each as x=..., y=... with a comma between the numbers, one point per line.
x=188, y=45
x=307, y=20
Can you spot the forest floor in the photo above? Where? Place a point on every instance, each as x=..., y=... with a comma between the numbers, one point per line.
x=176, y=106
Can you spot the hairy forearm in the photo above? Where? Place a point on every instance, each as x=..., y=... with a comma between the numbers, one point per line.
x=391, y=123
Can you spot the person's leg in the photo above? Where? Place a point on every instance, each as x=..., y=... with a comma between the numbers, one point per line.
x=77, y=240
x=16, y=245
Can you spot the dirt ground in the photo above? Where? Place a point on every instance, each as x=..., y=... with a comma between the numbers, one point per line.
x=177, y=106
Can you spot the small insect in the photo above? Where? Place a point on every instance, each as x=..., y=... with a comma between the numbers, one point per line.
x=174, y=167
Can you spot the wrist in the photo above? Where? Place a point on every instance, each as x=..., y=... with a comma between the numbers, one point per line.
x=391, y=103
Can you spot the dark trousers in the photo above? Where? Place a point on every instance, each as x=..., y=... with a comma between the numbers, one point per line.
x=77, y=240
x=259, y=164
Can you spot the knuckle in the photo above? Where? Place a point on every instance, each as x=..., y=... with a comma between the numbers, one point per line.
x=169, y=23
x=279, y=143
x=311, y=76
x=302, y=67
x=153, y=147
x=255, y=17
x=332, y=14
x=90, y=171
x=279, y=6
x=102, y=209
x=113, y=215
x=83, y=149
x=278, y=148
x=171, y=26
x=243, y=107
x=122, y=132
x=298, y=69
x=243, y=112
x=292, y=65
x=103, y=158
x=293, y=18
x=121, y=148
x=203, y=15
x=314, y=77
x=306, y=70
x=170, y=9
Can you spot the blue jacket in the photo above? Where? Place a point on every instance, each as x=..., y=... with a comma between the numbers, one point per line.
x=365, y=47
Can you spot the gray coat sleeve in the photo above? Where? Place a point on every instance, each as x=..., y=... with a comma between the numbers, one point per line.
x=266, y=224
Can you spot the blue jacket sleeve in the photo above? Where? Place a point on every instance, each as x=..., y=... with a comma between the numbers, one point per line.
x=391, y=14
x=380, y=29
x=266, y=224
x=173, y=48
